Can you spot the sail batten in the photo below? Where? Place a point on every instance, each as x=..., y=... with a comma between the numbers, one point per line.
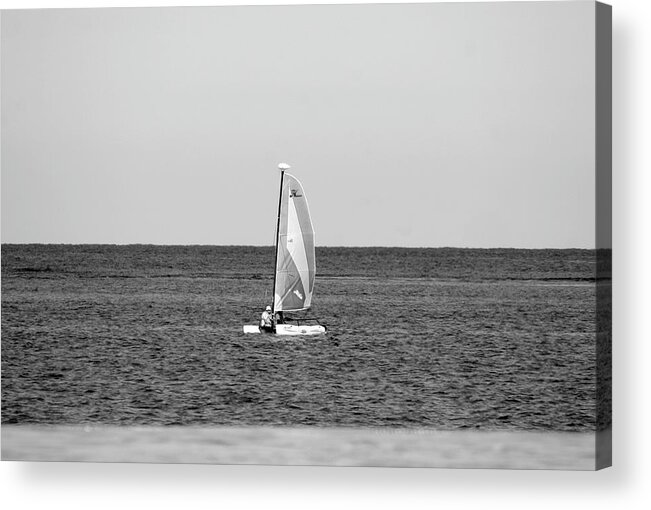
x=295, y=257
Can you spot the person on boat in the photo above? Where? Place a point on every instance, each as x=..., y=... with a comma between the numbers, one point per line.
x=266, y=320
x=280, y=319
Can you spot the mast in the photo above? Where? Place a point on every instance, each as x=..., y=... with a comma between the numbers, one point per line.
x=282, y=167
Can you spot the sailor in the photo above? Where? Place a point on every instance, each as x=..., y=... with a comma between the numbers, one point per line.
x=266, y=321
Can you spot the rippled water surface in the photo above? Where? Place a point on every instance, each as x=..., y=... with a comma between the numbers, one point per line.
x=442, y=338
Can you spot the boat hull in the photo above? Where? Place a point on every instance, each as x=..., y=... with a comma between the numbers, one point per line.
x=290, y=330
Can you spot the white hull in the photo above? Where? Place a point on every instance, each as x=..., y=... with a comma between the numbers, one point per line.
x=290, y=330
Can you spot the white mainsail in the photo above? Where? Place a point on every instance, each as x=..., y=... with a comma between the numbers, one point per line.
x=295, y=258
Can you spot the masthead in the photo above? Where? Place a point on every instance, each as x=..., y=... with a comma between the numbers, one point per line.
x=284, y=166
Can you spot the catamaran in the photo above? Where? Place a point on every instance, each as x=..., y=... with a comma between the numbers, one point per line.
x=295, y=265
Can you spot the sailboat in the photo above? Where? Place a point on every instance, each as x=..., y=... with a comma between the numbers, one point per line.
x=295, y=261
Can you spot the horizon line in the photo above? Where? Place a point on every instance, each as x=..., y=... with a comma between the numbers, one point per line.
x=320, y=246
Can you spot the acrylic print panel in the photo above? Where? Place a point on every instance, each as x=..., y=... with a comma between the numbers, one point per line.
x=456, y=158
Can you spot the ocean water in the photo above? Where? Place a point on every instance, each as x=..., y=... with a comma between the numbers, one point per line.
x=418, y=338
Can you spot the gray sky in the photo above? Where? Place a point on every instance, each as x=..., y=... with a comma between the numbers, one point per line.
x=408, y=125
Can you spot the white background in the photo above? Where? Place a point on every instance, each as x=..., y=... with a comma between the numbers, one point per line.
x=626, y=485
